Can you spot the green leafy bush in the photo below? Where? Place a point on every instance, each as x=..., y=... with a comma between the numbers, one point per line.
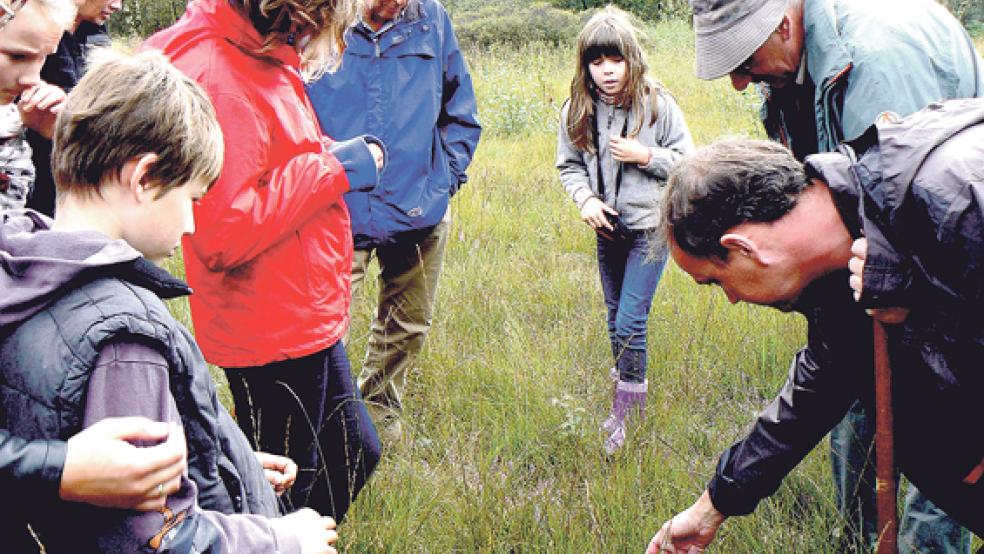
x=969, y=12
x=515, y=24
x=142, y=18
x=649, y=10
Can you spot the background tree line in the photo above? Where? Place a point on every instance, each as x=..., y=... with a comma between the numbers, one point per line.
x=141, y=18
x=482, y=22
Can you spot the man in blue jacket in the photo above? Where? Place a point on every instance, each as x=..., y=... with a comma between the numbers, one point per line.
x=404, y=80
x=826, y=69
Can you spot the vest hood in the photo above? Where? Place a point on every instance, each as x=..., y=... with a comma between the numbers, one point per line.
x=38, y=265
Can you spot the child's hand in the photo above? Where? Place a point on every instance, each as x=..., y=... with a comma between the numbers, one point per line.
x=39, y=106
x=593, y=213
x=629, y=150
x=280, y=471
x=316, y=533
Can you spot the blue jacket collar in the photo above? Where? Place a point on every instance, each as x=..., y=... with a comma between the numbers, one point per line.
x=412, y=12
x=827, y=56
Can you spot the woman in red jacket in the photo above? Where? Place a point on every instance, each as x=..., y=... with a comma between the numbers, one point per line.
x=270, y=263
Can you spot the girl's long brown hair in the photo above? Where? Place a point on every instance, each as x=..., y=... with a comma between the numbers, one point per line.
x=608, y=32
x=287, y=21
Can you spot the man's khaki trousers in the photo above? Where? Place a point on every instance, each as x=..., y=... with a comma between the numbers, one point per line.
x=409, y=271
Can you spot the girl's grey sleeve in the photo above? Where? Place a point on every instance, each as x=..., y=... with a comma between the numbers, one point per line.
x=673, y=139
x=570, y=163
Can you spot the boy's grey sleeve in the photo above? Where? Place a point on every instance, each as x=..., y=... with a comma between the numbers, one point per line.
x=673, y=140
x=570, y=163
x=131, y=379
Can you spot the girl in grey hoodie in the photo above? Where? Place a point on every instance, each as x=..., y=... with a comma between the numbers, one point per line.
x=620, y=133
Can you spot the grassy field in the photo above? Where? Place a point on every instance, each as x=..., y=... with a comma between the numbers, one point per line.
x=503, y=452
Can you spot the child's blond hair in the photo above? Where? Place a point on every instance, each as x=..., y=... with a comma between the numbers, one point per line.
x=59, y=12
x=127, y=106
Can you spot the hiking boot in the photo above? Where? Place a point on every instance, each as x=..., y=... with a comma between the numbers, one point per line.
x=389, y=424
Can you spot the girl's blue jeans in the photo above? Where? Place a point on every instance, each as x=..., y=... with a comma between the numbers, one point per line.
x=630, y=271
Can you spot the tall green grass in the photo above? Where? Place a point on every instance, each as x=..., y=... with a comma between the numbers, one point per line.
x=503, y=448
x=504, y=452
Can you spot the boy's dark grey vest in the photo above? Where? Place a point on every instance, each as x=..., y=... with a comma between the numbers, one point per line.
x=46, y=363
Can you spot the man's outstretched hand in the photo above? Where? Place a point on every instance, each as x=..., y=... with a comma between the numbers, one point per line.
x=690, y=531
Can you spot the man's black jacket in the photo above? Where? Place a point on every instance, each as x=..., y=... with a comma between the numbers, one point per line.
x=917, y=194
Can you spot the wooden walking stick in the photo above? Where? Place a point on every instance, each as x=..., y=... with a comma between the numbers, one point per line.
x=884, y=447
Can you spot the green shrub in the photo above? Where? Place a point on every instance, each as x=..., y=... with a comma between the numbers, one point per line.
x=649, y=10
x=517, y=25
x=143, y=18
x=520, y=90
x=458, y=7
x=969, y=12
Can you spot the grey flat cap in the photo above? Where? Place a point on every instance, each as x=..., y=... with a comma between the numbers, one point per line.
x=729, y=31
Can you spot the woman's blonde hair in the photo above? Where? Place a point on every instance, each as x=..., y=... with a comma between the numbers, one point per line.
x=320, y=22
x=609, y=33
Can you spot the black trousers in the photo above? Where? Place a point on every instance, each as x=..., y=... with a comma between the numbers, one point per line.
x=310, y=410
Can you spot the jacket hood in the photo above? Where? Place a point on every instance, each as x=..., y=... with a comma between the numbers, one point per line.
x=906, y=144
x=38, y=265
x=218, y=20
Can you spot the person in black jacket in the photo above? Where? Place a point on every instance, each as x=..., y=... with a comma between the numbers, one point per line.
x=63, y=69
x=901, y=230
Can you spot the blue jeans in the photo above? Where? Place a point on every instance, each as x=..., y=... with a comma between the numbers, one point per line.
x=630, y=271
x=922, y=528
x=310, y=410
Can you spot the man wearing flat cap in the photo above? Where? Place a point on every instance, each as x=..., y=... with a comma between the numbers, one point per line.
x=826, y=69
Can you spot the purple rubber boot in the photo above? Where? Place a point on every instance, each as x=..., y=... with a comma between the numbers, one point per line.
x=629, y=397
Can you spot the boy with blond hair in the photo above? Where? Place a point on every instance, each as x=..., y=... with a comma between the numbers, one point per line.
x=98, y=465
x=86, y=334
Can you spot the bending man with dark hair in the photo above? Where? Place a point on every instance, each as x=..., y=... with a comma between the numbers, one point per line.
x=745, y=216
x=825, y=70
